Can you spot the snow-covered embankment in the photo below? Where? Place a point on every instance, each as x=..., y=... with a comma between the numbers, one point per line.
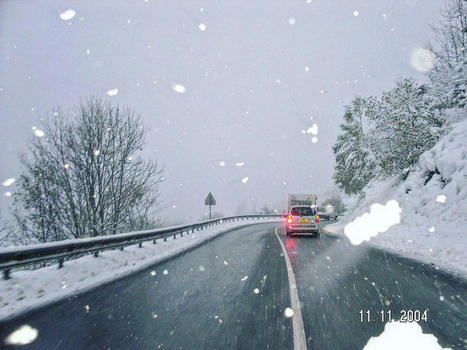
x=424, y=216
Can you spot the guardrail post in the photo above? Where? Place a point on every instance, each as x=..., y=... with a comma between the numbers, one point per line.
x=140, y=244
x=175, y=234
x=60, y=263
x=121, y=248
x=165, y=238
x=96, y=253
x=6, y=274
x=154, y=241
x=181, y=234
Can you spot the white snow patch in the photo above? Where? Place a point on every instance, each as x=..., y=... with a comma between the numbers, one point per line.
x=9, y=182
x=245, y=180
x=112, y=92
x=179, y=88
x=68, y=14
x=422, y=59
x=403, y=336
x=378, y=220
x=22, y=336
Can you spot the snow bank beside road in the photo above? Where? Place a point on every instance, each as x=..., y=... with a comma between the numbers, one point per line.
x=31, y=289
x=433, y=202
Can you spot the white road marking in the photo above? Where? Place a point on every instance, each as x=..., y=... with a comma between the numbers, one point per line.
x=299, y=339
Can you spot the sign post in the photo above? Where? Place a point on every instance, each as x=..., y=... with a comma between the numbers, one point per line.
x=210, y=201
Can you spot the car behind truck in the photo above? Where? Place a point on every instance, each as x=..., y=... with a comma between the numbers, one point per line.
x=302, y=217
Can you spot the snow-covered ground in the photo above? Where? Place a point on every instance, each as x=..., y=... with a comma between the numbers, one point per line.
x=30, y=289
x=422, y=218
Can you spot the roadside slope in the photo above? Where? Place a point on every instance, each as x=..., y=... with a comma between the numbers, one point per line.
x=433, y=203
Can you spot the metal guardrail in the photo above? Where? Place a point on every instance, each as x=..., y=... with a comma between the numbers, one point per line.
x=14, y=257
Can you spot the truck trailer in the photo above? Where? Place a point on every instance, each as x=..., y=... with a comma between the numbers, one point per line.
x=301, y=199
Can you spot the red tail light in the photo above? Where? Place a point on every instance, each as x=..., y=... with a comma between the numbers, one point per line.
x=289, y=219
x=317, y=219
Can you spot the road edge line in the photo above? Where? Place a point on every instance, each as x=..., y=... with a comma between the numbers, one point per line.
x=299, y=339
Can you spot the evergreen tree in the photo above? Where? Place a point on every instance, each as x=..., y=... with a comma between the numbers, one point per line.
x=405, y=127
x=355, y=162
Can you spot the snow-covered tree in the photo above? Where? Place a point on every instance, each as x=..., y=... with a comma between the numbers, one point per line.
x=448, y=76
x=404, y=127
x=355, y=162
x=85, y=177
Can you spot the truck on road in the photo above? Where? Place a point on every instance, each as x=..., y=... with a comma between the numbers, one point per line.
x=301, y=199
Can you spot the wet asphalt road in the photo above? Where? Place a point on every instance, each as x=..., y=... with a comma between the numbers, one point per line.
x=231, y=293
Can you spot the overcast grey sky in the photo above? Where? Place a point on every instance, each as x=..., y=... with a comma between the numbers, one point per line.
x=254, y=78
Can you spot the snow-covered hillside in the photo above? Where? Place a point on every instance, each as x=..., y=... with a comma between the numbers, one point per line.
x=432, y=224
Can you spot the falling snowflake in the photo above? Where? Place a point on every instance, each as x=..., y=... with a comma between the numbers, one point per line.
x=245, y=180
x=96, y=152
x=441, y=198
x=22, y=336
x=202, y=27
x=313, y=129
x=221, y=163
x=288, y=312
x=307, y=69
x=256, y=290
x=240, y=164
x=356, y=13
x=68, y=14
x=314, y=139
x=201, y=268
x=87, y=308
x=112, y=92
x=431, y=229
x=244, y=278
x=9, y=182
x=291, y=21
x=8, y=194
x=88, y=52
x=153, y=273
x=38, y=133
x=179, y=88
x=226, y=263
x=165, y=272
